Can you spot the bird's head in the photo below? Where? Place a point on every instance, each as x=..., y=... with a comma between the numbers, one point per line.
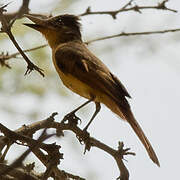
x=58, y=29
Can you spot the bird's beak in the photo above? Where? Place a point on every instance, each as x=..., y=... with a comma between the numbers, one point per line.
x=39, y=23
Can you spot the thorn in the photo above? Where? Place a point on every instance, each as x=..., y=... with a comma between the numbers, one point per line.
x=2, y=9
x=88, y=10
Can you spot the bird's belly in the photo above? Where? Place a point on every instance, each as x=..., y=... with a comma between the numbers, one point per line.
x=76, y=85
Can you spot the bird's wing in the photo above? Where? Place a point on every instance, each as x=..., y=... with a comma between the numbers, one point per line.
x=83, y=65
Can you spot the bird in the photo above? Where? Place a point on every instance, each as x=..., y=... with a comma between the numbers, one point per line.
x=84, y=73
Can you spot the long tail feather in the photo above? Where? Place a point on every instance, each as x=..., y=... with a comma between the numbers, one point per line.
x=136, y=127
x=122, y=109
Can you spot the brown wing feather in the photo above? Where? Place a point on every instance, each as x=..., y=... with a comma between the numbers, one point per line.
x=82, y=64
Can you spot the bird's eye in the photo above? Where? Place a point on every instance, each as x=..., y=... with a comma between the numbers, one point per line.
x=59, y=21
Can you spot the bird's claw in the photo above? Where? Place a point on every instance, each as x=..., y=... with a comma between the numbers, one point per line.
x=71, y=118
x=85, y=137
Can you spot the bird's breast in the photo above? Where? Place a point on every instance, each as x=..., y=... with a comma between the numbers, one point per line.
x=74, y=84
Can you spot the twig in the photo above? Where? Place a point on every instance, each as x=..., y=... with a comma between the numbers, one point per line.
x=28, y=50
x=24, y=9
x=51, y=161
x=4, y=57
x=134, y=34
x=6, y=27
x=116, y=154
x=19, y=161
x=49, y=123
x=30, y=65
x=136, y=8
x=72, y=176
x=14, y=136
x=19, y=173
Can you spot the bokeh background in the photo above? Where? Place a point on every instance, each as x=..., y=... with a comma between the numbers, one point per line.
x=148, y=66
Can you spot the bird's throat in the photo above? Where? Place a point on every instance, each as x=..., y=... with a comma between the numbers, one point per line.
x=56, y=38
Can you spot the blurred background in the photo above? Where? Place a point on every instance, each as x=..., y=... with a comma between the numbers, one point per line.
x=148, y=66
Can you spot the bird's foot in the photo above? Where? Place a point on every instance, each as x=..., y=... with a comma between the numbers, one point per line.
x=84, y=137
x=71, y=118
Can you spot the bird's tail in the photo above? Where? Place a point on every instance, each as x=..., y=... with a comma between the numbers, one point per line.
x=139, y=132
x=126, y=114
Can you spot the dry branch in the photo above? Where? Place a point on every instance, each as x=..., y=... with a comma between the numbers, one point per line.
x=33, y=144
x=125, y=8
x=134, y=34
x=4, y=57
x=6, y=19
x=50, y=161
x=24, y=9
x=20, y=173
x=80, y=134
x=6, y=28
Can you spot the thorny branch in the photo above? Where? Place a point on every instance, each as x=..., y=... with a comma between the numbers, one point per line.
x=11, y=17
x=24, y=9
x=19, y=161
x=126, y=7
x=20, y=173
x=80, y=134
x=134, y=34
x=6, y=28
x=5, y=57
x=50, y=161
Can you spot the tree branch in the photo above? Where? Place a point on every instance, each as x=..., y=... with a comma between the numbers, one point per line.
x=125, y=8
x=134, y=34
x=24, y=9
x=19, y=173
x=6, y=28
x=19, y=160
x=50, y=161
x=82, y=136
x=5, y=57
x=5, y=18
